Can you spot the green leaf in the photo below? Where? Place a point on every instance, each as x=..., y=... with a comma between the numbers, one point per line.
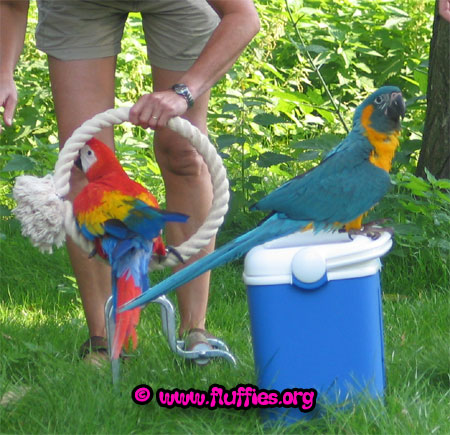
x=430, y=177
x=270, y=158
x=443, y=244
x=363, y=67
x=368, y=51
x=342, y=79
x=254, y=179
x=417, y=185
x=441, y=218
x=443, y=183
x=408, y=79
x=266, y=119
x=394, y=22
x=413, y=207
x=308, y=155
x=311, y=11
x=221, y=116
x=422, y=79
x=296, y=97
x=409, y=146
x=312, y=119
x=231, y=108
x=25, y=133
x=325, y=142
x=442, y=196
x=273, y=70
x=254, y=102
x=226, y=140
x=327, y=115
x=407, y=229
x=315, y=48
x=4, y=211
x=19, y=163
x=396, y=11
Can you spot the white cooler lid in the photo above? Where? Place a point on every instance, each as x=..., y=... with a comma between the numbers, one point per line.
x=313, y=259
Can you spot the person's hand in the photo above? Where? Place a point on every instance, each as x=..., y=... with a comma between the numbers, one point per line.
x=444, y=9
x=8, y=98
x=154, y=110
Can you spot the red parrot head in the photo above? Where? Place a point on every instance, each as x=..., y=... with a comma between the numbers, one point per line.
x=97, y=159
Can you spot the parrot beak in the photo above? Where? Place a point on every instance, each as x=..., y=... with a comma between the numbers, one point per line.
x=78, y=164
x=397, y=107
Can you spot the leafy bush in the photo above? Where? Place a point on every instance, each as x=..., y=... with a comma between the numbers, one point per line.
x=269, y=107
x=272, y=116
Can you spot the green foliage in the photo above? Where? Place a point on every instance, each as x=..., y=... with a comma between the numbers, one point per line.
x=31, y=143
x=268, y=115
x=271, y=116
x=420, y=211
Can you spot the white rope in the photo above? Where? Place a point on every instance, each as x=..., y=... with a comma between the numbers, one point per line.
x=29, y=208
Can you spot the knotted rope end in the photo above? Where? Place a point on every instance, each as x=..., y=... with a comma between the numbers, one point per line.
x=40, y=211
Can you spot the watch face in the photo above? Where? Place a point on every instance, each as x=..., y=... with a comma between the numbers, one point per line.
x=183, y=90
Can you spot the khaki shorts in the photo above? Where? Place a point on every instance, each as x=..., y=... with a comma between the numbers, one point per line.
x=175, y=30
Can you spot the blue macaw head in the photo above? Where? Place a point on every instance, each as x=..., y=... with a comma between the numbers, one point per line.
x=384, y=107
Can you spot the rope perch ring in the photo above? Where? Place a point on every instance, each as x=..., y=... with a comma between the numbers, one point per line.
x=47, y=217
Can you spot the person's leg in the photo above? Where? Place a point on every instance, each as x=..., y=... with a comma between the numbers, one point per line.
x=188, y=191
x=81, y=89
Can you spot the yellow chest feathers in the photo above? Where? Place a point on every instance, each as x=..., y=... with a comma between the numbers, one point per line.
x=384, y=144
x=113, y=205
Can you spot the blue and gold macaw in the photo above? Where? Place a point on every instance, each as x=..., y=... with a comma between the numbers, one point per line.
x=349, y=181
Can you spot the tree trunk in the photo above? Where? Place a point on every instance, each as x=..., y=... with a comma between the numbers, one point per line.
x=435, y=152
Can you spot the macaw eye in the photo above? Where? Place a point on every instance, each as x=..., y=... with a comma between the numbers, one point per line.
x=379, y=100
x=89, y=153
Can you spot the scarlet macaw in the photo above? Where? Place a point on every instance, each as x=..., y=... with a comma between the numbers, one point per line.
x=123, y=220
x=349, y=181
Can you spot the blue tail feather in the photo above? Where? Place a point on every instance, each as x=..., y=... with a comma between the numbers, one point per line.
x=128, y=257
x=274, y=227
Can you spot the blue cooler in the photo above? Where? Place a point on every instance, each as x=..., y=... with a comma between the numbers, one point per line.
x=316, y=319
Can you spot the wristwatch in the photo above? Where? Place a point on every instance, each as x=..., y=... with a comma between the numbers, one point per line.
x=184, y=91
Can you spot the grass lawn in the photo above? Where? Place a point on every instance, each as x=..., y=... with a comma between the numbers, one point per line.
x=42, y=325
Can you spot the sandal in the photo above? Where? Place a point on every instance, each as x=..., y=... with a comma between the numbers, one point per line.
x=197, y=340
x=94, y=350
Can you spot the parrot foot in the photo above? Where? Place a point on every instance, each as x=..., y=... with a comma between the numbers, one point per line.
x=172, y=250
x=372, y=229
x=169, y=250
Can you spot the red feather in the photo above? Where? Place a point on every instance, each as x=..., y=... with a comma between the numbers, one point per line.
x=127, y=321
x=159, y=247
